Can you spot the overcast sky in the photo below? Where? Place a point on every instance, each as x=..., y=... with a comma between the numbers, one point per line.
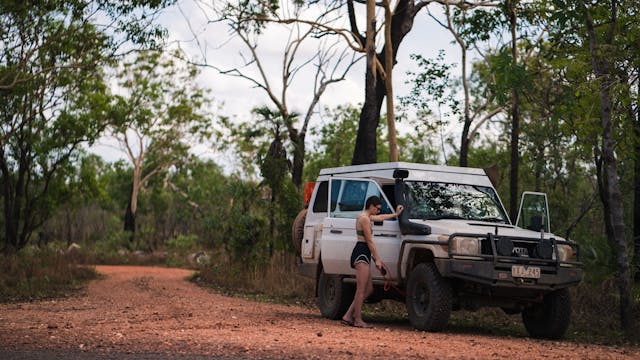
x=222, y=50
x=238, y=96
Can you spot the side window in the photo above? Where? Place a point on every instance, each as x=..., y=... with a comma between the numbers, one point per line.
x=351, y=196
x=320, y=202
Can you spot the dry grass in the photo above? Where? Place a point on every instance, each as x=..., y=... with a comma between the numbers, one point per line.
x=277, y=280
x=39, y=274
x=595, y=317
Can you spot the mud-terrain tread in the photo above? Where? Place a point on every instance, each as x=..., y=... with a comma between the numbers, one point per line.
x=440, y=298
x=549, y=319
x=334, y=307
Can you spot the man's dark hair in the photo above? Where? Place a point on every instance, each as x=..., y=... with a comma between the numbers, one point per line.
x=373, y=200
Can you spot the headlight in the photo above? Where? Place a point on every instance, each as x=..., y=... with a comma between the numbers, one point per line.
x=565, y=252
x=465, y=246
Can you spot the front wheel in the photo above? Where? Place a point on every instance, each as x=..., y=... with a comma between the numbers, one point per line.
x=334, y=296
x=550, y=318
x=429, y=298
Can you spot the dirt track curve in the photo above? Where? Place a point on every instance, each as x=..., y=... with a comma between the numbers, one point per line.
x=149, y=313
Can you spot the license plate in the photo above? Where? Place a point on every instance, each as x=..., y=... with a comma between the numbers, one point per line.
x=523, y=271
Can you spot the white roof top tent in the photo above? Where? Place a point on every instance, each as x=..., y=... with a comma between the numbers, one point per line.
x=417, y=172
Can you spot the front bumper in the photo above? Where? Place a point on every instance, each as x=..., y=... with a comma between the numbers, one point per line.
x=498, y=274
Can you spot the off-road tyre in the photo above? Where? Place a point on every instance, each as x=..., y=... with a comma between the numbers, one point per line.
x=429, y=298
x=550, y=318
x=297, y=230
x=334, y=296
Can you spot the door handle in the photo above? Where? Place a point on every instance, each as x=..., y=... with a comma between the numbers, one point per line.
x=335, y=231
x=386, y=235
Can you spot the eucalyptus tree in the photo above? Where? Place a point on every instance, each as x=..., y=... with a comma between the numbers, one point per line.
x=159, y=116
x=603, y=69
x=400, y=17
x=259, y=145
x=52, y=96
x=436, y=83
x=597, y=31
x=376, y=89
x=310, y=60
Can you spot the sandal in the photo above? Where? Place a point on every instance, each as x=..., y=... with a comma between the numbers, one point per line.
x=346, y=322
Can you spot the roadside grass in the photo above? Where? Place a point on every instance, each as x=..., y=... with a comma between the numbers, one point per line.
x=41, y=273
x=277, y=281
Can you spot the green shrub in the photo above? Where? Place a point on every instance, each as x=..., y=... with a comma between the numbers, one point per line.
x=183, y=244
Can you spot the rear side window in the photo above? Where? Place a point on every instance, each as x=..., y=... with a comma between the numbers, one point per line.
x=320, y=202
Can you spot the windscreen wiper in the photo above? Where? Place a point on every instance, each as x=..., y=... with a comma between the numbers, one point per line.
x=441, y=217
x=491, y=219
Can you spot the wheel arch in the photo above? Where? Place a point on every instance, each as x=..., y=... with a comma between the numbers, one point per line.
x=418, y=255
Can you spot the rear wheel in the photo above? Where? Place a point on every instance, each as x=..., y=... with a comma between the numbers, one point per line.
x=334, y=296
x=429, y=298
x=550, y=318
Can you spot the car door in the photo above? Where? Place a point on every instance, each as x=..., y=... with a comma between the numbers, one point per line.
x=339, y=228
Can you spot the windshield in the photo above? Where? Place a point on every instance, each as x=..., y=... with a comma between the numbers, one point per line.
x=435, y=200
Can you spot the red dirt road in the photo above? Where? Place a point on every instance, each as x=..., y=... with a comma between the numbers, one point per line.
x=142, y=310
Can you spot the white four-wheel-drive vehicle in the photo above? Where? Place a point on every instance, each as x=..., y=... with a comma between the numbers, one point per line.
x=453, y=247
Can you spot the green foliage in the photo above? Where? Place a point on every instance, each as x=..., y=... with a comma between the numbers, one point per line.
x=53, y=98
x=183, y=244
x=160, y=115
x=249, y=15
x=335, y=139
x=273, y=162
x=114, y=240
x=432, y=85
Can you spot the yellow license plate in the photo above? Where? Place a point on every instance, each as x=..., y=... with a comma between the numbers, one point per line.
x=524, y=271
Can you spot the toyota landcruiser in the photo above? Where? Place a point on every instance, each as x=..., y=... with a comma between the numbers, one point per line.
x=453, y=247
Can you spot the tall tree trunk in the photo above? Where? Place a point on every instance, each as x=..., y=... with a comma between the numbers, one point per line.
x=272, y=223
x=604, y=196
x=298, y=157
x=67, y=213
x=636, y=191
x=515, y=116
x=375, y=92
x=388, y=59
x=14, y=193
x=366, y=146
x=10, y=226
x=465, y=140
x=603, y=72
x=130, y=214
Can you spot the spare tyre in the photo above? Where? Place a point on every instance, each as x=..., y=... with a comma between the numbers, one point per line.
x=297, y=230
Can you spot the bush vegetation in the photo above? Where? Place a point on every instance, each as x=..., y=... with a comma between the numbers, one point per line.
x=40, y=273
